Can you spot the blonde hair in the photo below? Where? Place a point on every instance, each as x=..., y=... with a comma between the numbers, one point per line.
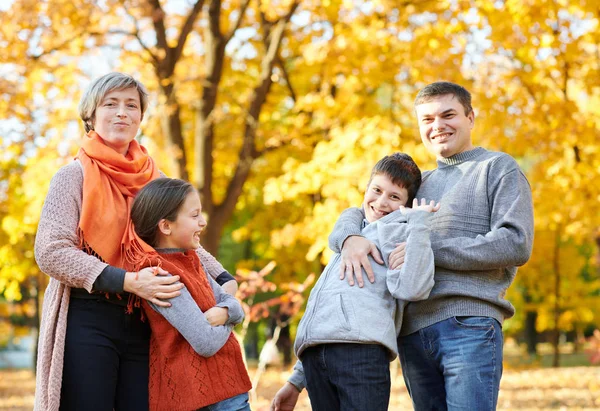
x=101, y=87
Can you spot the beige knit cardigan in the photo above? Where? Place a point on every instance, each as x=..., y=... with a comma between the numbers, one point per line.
x=58, y=256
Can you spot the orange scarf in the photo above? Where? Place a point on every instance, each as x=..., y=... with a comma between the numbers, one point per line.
x=110, y=181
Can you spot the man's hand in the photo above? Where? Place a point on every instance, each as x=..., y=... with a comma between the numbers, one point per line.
x=286, y=398
x=217, y=316
x=354, y=259
x=397, y=256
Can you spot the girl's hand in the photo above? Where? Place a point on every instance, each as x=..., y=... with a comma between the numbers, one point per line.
x=153, y=284
x=230, y=287
x=432, y=207
x=217, y=316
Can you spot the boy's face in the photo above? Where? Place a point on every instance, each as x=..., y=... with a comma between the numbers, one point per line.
x=382, y=197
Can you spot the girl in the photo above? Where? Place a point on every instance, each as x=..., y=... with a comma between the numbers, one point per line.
x=195, y=361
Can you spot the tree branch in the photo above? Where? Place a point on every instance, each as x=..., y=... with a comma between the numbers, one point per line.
x=214, y=20
x=286, y=77
x=158, y=21
x=187, y=28
x=55, y=48
x=136, y=35
x=248, y=151
x=238, y=22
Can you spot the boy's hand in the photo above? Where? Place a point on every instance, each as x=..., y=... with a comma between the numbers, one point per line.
x=354, y=259
x=396, y=258
x=217, y=316
x=286, y=398
x=432, y=207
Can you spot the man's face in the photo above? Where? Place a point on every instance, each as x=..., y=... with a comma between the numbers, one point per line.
x=445, y=128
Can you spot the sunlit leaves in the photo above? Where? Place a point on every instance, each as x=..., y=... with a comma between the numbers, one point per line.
x=342, y=94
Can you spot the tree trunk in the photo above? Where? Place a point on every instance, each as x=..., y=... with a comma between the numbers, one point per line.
x=171, y=123
x=212, y=234
x=220, y=214
x=531, y=334
x=556, y=266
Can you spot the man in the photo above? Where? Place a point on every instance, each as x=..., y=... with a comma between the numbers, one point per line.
x=450, y=345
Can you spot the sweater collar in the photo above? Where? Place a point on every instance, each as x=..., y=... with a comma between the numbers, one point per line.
x=170, y=250
x=461, y=157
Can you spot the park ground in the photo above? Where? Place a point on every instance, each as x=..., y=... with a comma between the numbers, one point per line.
x=572, y=388
x=527, y=384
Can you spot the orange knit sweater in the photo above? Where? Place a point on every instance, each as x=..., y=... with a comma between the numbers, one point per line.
x=181, y=379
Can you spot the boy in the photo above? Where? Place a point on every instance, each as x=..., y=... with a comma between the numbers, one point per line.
x=347, y=336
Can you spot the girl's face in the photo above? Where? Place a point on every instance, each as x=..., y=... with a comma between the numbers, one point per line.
x=185, y=231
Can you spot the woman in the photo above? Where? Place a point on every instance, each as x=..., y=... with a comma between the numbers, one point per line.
x=93, y=347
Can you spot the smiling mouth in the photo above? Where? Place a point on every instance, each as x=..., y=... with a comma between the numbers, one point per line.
x=441, y=137
x=378, y=212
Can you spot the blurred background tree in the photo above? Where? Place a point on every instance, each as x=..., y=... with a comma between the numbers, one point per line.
x=277, y=109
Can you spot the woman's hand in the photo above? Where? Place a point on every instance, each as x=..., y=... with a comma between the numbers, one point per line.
x=217, y=316
x=153, y=284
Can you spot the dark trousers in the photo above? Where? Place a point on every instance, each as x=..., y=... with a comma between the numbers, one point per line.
x=347, y=377
x=106, y=358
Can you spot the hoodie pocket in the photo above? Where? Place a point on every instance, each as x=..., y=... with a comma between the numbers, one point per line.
x=333, y=319
x=344, y=313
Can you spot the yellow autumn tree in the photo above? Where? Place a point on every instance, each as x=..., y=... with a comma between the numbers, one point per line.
x=277, y=110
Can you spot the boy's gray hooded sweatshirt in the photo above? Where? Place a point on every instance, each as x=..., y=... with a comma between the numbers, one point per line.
x=339, y=313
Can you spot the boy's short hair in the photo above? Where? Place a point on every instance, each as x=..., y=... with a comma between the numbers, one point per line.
x=401, y=169
x=442, y=88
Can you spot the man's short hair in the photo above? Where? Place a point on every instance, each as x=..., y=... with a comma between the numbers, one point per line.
x=441, y=88
x=401, y=169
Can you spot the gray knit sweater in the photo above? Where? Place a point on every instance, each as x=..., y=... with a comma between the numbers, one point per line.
x=482, y=232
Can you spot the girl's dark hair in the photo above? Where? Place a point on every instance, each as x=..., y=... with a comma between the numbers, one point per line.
x=160, y=198
x=402, y=170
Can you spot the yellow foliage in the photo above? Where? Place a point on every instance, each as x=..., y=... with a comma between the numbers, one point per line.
x=341, y=97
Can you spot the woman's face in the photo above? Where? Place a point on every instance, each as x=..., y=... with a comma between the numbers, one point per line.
x=118, y=118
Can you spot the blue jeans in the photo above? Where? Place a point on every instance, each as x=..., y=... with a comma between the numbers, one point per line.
x=237, y=403
x=455, y=364
x=347, y=377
